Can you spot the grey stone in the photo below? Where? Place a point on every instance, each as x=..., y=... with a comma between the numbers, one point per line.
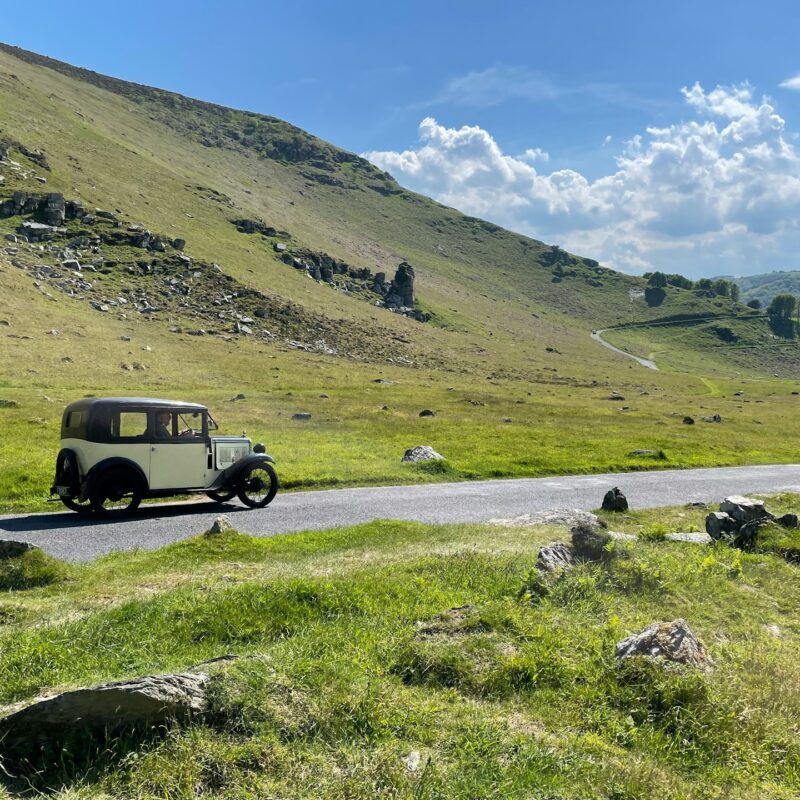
x=720, y=525
x=421, y=453
x=788, y=521
x=713, y=418
x=671, y=641
x=615, y=500
x=590, y=541
x=571, y=517
x=220, y=525
x=688, y=421
x=302, y=416
x=105, y=710
x=179, y=244
x=744, y=509
x=426, y=412
x=554, y=557
x=11, y=549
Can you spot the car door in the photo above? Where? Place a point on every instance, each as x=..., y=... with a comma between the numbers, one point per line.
x=178, y=460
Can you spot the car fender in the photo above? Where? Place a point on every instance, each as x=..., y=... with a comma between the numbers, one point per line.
x=230, y=475
x=71, y=466
x=117, y=461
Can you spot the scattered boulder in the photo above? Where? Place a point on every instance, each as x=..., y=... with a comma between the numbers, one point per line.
x=9, y=404
x=615, y=500
x=103, y=711
x=421, y=453
x=554, y=557
x=220, y=525
x=788, y=521
x=426, y=412
x=688, y=420
x=720, y=525
x=671, y=641
x=590, y=542
x=12, y=549
x=744, y=509
x=713, y=418
x=615, y=396
x=302, y=416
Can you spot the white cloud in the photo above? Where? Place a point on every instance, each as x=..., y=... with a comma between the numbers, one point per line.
x=791, y=83
x=535, y=154
x=719, y=193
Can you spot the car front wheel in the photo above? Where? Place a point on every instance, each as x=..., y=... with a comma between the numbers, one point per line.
x=117, y=492
x=258, y=485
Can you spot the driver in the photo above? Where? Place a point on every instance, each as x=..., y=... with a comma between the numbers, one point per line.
x=163, y=421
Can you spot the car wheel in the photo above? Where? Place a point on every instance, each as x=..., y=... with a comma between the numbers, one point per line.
x=222, y=497
x=81, y=506
x=117, y=492
x=258, y=485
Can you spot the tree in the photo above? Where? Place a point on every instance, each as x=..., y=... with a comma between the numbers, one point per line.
x=735, y=292
x=755, y=303
x=721, y=288
x=657, y=280
x=782, y=306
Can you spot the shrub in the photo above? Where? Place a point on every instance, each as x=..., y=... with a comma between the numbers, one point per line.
x=31, y=569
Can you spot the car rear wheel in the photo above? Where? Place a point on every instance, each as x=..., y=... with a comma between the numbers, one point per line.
x=73, y=504
x=258, y=485
x=223, y=496
x=117, y=492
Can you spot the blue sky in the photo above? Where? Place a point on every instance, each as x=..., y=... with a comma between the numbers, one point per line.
x=520, y=112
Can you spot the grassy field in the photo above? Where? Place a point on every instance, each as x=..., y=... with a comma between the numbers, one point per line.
x=337, y=694
x=509, y=341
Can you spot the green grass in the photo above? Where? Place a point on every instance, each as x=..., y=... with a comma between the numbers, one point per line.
x=338, y=682
x=507, y=343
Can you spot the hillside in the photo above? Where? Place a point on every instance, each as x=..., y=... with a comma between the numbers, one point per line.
x=765, y=286
x=221, y=252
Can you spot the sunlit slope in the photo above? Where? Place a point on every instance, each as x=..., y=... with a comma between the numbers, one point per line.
x=188, y=168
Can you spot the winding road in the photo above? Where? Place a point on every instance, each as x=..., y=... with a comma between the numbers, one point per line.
x=75, y=538
x=645, y=362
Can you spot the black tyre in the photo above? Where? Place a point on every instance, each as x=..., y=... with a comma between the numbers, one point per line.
x=222, y=497
x=258, y=485
x=116, y=492
x=81, y=506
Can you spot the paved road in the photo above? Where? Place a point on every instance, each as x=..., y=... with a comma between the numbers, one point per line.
x=76, y=538
x=645, y=362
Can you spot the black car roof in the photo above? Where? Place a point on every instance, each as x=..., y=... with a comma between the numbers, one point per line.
x=139, y=402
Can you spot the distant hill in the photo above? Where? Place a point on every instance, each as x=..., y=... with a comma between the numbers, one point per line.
x=765, y=286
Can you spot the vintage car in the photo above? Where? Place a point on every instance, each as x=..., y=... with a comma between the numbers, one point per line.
x=115, y=451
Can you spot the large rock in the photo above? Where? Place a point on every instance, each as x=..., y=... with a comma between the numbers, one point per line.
x=615, y=500
x=720, y=525
x=590, y=541
x=12, y=549
x=571, y=517
x=554, y=557
x=672, y=641
x=105, y=710
x=744, y=509
x=421, y=453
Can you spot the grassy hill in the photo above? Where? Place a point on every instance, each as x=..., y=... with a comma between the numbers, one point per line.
x=506, y=359
x=764, y=287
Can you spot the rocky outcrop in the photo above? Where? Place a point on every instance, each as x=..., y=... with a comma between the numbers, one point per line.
x=670, y=641
x=104, y=711
x=739, y=520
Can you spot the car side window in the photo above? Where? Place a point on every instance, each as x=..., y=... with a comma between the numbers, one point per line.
x=131, y=425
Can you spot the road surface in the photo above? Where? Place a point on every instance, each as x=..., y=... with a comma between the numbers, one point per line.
x=645, y=362
x=70, y=536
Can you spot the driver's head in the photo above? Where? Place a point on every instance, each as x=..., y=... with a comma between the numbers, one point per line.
x=163, y=417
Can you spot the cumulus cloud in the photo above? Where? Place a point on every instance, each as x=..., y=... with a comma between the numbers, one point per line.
x=791, y=83
x=718, y=193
